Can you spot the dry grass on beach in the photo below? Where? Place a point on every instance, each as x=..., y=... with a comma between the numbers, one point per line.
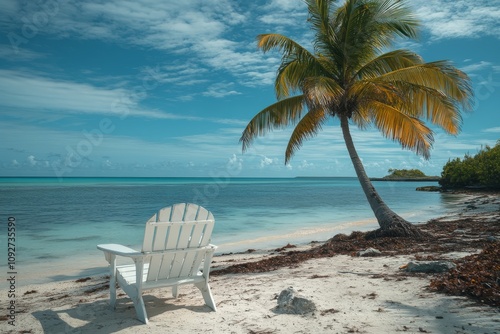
x=352, y=294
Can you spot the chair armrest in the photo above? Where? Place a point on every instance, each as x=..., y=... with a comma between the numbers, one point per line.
x=121, y=250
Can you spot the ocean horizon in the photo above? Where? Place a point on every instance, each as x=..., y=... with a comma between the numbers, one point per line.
x=59, y=222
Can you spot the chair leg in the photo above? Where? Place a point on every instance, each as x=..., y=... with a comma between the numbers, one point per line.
x=112, y=280
x=175, y=291
x=207, y=294
x=140, y=309
x=112, y=291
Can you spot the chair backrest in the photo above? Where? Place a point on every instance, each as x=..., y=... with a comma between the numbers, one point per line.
x=184, y=227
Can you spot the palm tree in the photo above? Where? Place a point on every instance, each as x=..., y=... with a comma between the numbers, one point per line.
x=351, y=76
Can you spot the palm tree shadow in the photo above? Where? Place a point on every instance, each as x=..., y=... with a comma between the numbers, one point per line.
x=446, y=318
x=99, y=317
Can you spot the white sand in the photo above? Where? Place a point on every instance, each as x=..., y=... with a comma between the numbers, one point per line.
x=352, y=295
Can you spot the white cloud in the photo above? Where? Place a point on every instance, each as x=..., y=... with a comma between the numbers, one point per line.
x=56, y=144
x=305, y=165
x=458, y=18
x=184, y=74
x=265, y=161
x=280, y=15
x=287, y=5
x=234, y=166
x=220, y=90
x=11, y=53
x=31, y=160
x=158, y=24
x=64, y=153
x=492, y=130
x=27, y=91
x=8, y=8
x=44, y=95
x=201, y=29
x=476, y=67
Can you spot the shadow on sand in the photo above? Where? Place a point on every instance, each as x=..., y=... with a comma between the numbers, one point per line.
x=99, y=317
x=446, y=318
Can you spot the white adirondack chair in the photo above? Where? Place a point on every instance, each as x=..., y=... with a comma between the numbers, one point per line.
x=176, y=245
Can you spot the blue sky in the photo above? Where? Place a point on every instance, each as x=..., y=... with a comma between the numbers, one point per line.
x=165, y=88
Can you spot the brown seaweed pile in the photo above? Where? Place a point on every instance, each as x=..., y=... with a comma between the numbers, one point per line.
x=476, y=276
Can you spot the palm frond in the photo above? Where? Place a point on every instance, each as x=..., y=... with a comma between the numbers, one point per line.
x=320, y=12
x=289, y=78
x=397, y=18
x=433, y=105
x=438, y=89
x=291, y=75
x=366, y=27
x=412, y=99
x=306, y=128
x=388, y=62
x=367, y=91
x=361, y=118
x=285, y=45
x=396, y=125
x=297, y=63
x=322, y=92
x=277, y=115
x=319, y=15
x=438, y=75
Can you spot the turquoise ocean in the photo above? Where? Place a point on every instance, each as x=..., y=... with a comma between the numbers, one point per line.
x=59, y=222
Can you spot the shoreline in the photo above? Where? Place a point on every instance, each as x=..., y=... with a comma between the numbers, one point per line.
x=352, y=294
x=93, y=263
x=407, y=179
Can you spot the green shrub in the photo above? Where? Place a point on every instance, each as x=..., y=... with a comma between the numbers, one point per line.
x=481, y=170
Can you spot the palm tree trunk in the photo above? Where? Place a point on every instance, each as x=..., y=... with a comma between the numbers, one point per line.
x=391, y=224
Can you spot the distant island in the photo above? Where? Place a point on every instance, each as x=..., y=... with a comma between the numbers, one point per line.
x=406, y=175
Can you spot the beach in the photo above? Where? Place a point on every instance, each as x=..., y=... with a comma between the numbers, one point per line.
x=352, y=294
